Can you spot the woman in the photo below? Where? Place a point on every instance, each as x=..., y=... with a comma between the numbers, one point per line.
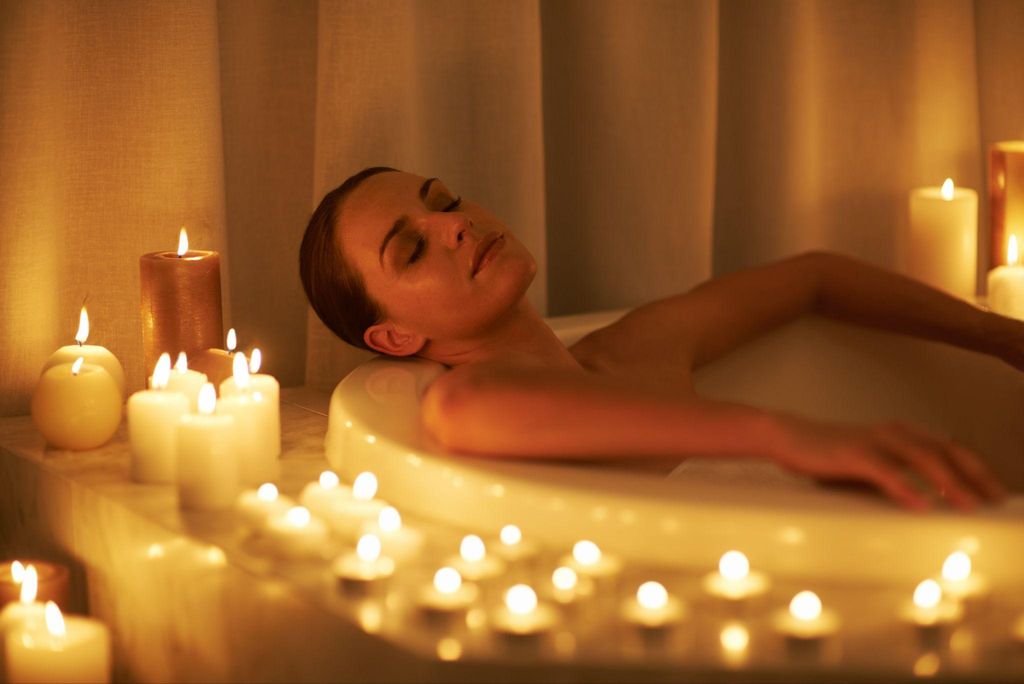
x=402, y=265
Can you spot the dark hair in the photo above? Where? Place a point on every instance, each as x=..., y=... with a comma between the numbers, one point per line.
x=335, y=289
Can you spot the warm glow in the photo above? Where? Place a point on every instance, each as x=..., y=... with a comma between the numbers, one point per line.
x=365, y=486
x=267, y=492
x=232, y=340
x=182, y=242
x=947, y=189
x=240, y=371
x=161, y=372
x=207, y=399
x=389, y=520
x=77, y=365
x=928, y=594
x=54, y=620
x=83, y=327
x=29, y=585
x=957, y=567
x=510, y=535
x=564, y=578
x=17, y=572
x=652, y=596
x=368, y=548
x=297, y=516
x=805, y=606
x=733, y=565
x=586, y=553
x=328, y=480
x=1012, y=256
x=521, y=599
x=255, y=360
x=181, y=365
x=734, y=638
x=472, y=549
x=447, y=580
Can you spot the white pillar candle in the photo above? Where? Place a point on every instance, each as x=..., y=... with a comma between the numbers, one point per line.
x=26, y=609
x=257, y=435
x=263, y=383
x=652, y=607
x=257, y=505
x=942, y=246
x=208, y=467
x=153, y=417
x=76, y=405
x=734, y=581
x=1006, y=284
x=296, y=534
x=72, y=649
x=806, y=619
x=92, y=353
x=186, y=381
x=473, y=561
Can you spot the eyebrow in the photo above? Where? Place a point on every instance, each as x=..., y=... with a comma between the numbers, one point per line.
x=403, y=220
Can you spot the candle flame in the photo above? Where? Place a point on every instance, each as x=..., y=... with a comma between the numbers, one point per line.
x=77, y=365
x=83, y=327
x=364, y=486
x=267, y=492
x=389, y=520
x=521, y=599
x=240, y=371
x=368, y=548
x=207, y=399
x=29, y=585
x=1011, y=251
x=733, y=565
x=510, y=535
x=182, y=242
x=472, y=549
x=328, y=479
x=652, y=595
x=17, y=571
x=181, y=365
x=232, y=340
x=734, y=638
x=805, y=606
x=927, y=594
x=298, y=516
x=586, y=552
x=161, y=372
x=947, y=189
x=54, y=620
x=255, y=360
x=564, y=578
x=957, y=567
x=447, y=580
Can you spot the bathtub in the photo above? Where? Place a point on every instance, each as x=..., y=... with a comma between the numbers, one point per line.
x=787, y=525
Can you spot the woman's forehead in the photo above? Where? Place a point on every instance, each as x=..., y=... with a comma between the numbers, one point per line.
x=374, y=205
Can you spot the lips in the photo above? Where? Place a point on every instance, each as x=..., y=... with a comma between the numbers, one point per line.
x=483, y=247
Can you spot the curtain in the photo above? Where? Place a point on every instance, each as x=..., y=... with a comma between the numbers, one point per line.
x=636, y=148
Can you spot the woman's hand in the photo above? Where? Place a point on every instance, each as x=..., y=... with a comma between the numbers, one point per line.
x=883, y=456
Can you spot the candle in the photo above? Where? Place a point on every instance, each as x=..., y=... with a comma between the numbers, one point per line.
x=521, y=614
x=325, y=495
x=400, y=542
x=959, y=581
x=92, y=353
x=351, y=513
x=929, y=608
x=587, y=559
x=186, y=381
x=365, y=565
x=256, y=429
x=512, y=547
x=296, y=534
x=257, y=505
x=153, y=417
x=27, y=608
x=76, y=405
x=734, y=580
x=942, y=246
x=218, y=364
x=1006, y=284
x=181, y=304
x=734, y=639
x=1017, y=631
x=52, y=581
x=568, y=587
x=266, y=384
x=72, y=649
x=447, y=594
x=653, y=607
x=1006, y=195
x=806, y=619
x=473, y=561
x=208, y=468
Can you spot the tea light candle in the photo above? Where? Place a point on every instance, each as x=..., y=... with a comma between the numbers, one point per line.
x=257, y=505
x=652, y=607
x=568, y=587
x=325, y=495
x=806, y=619
x=186, y=381
x=26, y=608
x=929, y=608
x=365, y=565
x=255, y=429
x=153, y=417
x=943, y=241
x=473, y=561
x=447, y=593
x=351, y=513
x=217, y=364
x=521, y=614
x=296, y=534
x=92, y=353
x=587, y=559
x=208, y=467
x=72, y=649
x=52, y=581
x=400, y=542
x=76, y=405
x=959, y=581
x=512, y=547
x=734, y=580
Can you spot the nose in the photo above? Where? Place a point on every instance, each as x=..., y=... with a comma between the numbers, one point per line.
x=454, y=227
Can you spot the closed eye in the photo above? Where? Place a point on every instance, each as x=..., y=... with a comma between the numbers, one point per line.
x=421, y=244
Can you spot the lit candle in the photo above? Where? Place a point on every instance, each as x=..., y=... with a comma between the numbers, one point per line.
x=447, y=593
x=652, y=607
x=351, y=513
x=257, y=505
x=521, y=614
x=806, y=619
x=959, y=580
x=256, y=429
x=734, y=640
x=512, y=547
x=399, y=541
x=27, y=608
x=365, y=565
x=587, y=559
x=473, y=561
x=929, y=608
x=181, y=303
x=943, y=242
x=568, y=587
x=76, y=405
x=1006, y=195
x=208, y=468
x=218, y=364
x=1006, y=284
x=186, y=381
x=734, y=581
x=1017, y=631
x=71, y=649
x=296, y=534
x=325, y=495
x=52, y=581
x=153, y=418
x=92, y=353
x=263, y=383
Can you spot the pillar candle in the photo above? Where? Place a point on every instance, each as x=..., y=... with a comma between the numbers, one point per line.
x=181, y=303
x=92, y=353
x=208, y=468
x=153, y=418
x=76, y=405
x=253, y=436
x=1006, y=196
x=64, y=649
x=186, y=381
x=942, y=245
x=263, y=383
x=52, y=580
x=264, y=392
x=27, y=608
x=1006, y=285
x=217, y=364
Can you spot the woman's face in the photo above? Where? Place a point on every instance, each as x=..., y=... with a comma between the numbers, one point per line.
x=414, y=241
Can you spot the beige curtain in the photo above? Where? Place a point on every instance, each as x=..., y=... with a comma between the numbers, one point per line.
x=636, y=147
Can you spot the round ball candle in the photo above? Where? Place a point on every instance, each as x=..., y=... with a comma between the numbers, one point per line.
x=296, y=534
x=181, y=302
x=92, y=353
x=208, y=468
x=521, y=614
x=400, y=542
x=1006, y=284
x=255, y=431
x=942, y=247
x=929, y=608
x=652, y=607
x=258, y=505
x=473, y=561
x=447, y=593
x=734, y=580
x=959, y=579
x=587, y=559
x=365, y=565
x=186, y=381
x=263, y=383
x=51, y=581
x=72, y=649
x=806, y=619
x=153, y=417
x=76, y=405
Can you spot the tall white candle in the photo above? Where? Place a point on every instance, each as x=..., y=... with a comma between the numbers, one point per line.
x=255, y=429
x=208, y=469
x=153, y=417
x=186, y=381
x=92, y=353
x=1006, y=284
x=263, y=383
x=942, y=245
x=72, y=649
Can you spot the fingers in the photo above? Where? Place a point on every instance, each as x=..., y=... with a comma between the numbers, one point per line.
x=965, y=461
x=928, y=463
x=889, y=480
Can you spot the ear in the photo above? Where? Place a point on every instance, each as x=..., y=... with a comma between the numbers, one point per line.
x=387, y=338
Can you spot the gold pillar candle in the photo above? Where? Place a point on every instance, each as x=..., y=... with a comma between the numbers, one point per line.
x=181, y=303
x=217, y=364
x=53, y=582
x=1006, y=197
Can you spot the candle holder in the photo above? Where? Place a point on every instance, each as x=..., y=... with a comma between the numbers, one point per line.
x=1006, y=197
